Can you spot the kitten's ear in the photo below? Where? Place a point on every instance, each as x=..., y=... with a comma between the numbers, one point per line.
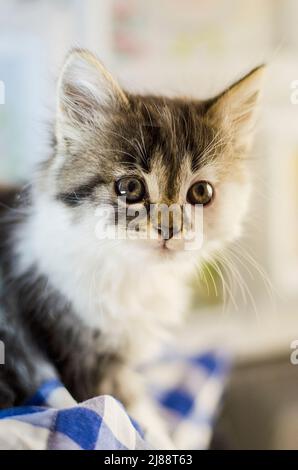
x=236, y=108
x=85, y=88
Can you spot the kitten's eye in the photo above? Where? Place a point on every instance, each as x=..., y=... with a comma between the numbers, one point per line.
x=200, y=193
x=132, y=188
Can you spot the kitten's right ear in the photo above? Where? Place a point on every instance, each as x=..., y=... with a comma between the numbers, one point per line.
x=236, y=108
x=85, y=89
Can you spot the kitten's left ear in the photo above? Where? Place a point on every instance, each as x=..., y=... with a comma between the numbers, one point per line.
x=236, y=108
x=85, y=88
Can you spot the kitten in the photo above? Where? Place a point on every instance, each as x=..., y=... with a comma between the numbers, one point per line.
x=90, y=309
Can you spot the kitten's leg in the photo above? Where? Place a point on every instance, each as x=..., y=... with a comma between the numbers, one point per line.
x=24, y=368
x=127, y=386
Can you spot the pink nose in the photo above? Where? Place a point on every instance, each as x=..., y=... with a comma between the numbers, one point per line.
x=167, y=232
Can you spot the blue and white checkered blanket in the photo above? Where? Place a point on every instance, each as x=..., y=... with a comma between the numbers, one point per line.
x=187, y=392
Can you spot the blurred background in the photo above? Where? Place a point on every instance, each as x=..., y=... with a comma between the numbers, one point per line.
x=196, y=48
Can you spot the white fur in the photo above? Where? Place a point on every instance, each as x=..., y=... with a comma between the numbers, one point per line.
x=126, y=288
x=133, y=297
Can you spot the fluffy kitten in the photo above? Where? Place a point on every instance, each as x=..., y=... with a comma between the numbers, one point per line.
x=88, y=309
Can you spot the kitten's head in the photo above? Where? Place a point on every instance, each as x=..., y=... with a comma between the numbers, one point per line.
x=118, y=153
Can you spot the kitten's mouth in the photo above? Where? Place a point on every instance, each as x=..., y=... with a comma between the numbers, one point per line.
x=162, y=248
x=165, y=251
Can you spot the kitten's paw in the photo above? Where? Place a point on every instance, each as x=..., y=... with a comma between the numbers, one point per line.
x=156, y=434
x=128, y=387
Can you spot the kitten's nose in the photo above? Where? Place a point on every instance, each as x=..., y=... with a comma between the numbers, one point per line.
x=167, y=220
x=167, y=232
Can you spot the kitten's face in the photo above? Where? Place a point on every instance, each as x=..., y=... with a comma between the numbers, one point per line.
x=120, y=155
